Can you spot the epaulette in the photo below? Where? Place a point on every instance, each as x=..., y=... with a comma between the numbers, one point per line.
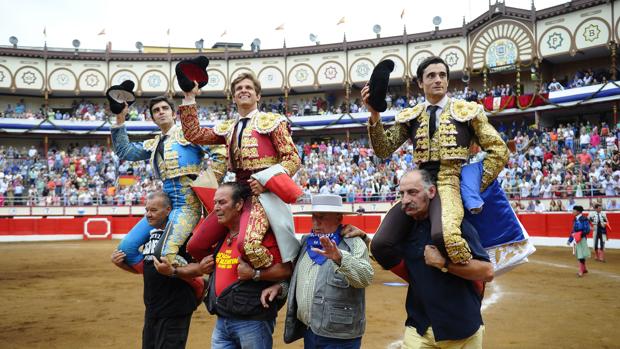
x=179, y=136
x=462, y=111
x=224, y=127
x=267, y=122
x=151, y=144
x=409, y=114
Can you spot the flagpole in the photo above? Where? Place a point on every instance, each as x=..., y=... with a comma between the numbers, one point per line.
x=103, y=34
x=344, y=30
x=283, y=29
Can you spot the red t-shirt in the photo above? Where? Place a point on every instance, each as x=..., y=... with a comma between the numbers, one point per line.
x=227, y=260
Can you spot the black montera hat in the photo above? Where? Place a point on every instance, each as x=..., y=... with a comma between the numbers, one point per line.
x=379, y=83
x=118, y=95
x=190, y=70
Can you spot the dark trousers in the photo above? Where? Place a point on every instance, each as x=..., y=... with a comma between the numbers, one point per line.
x=165, y=332
x=314, y=341
x=599, y=237
x=393, y=231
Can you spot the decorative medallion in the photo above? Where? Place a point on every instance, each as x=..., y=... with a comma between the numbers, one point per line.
x=421, y=59
x=502, y=44
x=62, y=79
x=363, y=69
x=123, y=77
x=270, y=77
x=29, y=78
x=2, y=76
x=331, y=72
x=214, y=80
x=555, y=40
x=452, y=59
x=154, y=81
x=301, y=75
x=591, y=32
x=92, y=80
x=501, y=52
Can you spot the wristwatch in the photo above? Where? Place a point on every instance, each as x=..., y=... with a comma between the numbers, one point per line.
x=444, y=269
x=256, y=276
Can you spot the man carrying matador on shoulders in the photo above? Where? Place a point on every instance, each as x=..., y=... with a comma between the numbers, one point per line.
x=441, y=130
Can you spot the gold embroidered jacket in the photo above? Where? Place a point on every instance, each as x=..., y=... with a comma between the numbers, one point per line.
x=460, y=124
x=266, y=140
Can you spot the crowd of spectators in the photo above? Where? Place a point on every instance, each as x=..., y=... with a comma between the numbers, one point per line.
x=559, y=164
x=566, y=162
x=89, y=111
x=78, y=176
x=581, y=78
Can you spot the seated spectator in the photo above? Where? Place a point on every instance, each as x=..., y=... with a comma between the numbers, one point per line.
x=555, y=86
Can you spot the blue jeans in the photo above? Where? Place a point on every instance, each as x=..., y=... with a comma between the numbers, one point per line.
x=314, y=341
x=242, y=334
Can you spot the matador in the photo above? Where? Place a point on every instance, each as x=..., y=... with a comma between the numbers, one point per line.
x=441, y=130
x=259, y=149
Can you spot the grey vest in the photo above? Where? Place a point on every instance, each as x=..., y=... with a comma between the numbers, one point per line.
x=338, y=310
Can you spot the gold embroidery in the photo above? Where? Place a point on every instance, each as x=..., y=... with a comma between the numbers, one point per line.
x=192, y=130
x=177, y=172
x=259, y=163
x=267, y=122
x=151, y=144
x=456, y=153
x=420, y=156
x=179, y=137
x=462, y=110
x=445, y=140
x=258, y=255
x=448, y=186
x=248, y=139
x=385, y=142
x=422, y=144
x=285, y=147
x=223, y=128
x=409, y=114
x=449, y=129
x=249, y=152
x=183, y=220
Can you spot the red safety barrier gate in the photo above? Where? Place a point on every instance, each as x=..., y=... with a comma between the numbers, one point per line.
x=550, y=225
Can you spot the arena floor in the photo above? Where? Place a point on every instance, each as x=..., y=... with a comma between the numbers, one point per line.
x=68, y=295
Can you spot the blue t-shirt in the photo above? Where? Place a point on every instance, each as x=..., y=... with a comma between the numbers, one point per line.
x=446, y=302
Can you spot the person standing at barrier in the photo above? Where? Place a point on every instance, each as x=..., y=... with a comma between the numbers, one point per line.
x=578, y=237
x=441, y=130
x=175, y=161
x=169, y=301
x=443, y=304
x=599, y=223
x=262, y=155
x=335, y=270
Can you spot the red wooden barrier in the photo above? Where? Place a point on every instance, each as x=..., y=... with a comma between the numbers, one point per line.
x=542, y=225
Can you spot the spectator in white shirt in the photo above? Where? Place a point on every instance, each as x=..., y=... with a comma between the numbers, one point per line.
x=584, y=140
x=555, y=86
x=540, y=207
